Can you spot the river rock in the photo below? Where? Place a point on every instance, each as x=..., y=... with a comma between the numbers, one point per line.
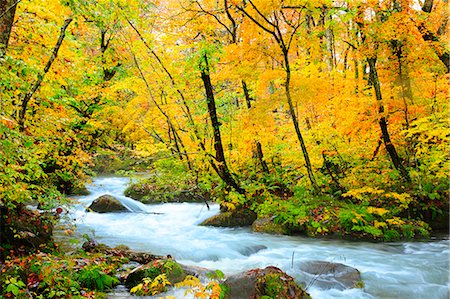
x=106, y=204
x=196, y=271
x=327, y=275
x=268, y=226
x=269, y=282
x=252, y=249
x=242, y=217
x=172, y=269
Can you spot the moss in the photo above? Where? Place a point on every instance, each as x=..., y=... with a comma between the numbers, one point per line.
x=359, y=285
x=268, y=226
x=174, y=271
x=136, y=277
x=272, y=285
x=279, y=286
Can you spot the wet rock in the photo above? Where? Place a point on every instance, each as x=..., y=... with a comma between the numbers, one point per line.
x=172, y=269
x=269, y=282
x=327, y=275
x=268, y=226
x=149, y=192
x=249, y=250
x=196, y=271
x=237, y=218
x=106, y=204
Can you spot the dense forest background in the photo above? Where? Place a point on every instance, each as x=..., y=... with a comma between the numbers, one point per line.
x=330, y=117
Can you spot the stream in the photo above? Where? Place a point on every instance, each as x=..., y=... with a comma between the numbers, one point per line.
x=389, y=270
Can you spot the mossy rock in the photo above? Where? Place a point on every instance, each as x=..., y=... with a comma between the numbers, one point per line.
x=237, y=218
x=268, y=226
x=172, y=269
x=149, y=193
x=79, y=189
x=270, y=282
x=106, y=204
x=137, y=274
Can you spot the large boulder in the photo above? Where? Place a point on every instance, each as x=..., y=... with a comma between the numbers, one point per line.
x=268, y=226
x=269, y=282
x=106, y=204
x=243, y=217
x=327, y=275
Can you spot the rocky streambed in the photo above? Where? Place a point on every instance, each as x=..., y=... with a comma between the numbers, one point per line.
x=326, y=268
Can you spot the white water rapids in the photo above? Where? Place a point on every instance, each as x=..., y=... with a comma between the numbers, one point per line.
x=389, y=270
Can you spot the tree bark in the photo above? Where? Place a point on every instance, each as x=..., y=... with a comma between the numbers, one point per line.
x=221, y=164
x=7, y=13
x=27, y=97
x=390, y=148
x=260, y=155
x=438, y=46
x=295, y=122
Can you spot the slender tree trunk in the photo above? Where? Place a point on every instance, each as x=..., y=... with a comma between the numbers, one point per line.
x=260, y=155
x=222, y=167
x=390, y=148
x=329, y=40
x=7, y=13
x=182, y=153
x=27, y=97
x=248, y=99
x=258, y=146
x=295, y=122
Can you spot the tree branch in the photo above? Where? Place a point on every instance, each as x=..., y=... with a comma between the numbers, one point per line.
x=40, y=78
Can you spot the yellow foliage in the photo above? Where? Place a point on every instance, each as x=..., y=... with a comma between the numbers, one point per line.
x=377, y=211
x=395, y=221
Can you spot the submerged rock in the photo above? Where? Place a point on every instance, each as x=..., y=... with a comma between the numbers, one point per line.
x=249, y=250
x=269, y=282
x=268, y=226
x=327, y=275
x=243, y=217
x=106, y=204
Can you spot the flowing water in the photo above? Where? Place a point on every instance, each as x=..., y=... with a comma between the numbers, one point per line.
x=389, y=270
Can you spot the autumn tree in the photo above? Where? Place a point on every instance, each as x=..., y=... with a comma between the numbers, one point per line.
x=282, y=24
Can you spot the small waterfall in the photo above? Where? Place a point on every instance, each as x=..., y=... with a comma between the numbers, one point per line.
x=133, y=205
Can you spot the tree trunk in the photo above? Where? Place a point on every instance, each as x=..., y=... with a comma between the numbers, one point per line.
x=222, y=167
x=260, y=155
x=258, y=146
x=7, y=12
x=390, y=148
x=27, y=97
x=248, y=99
x=295, y=122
